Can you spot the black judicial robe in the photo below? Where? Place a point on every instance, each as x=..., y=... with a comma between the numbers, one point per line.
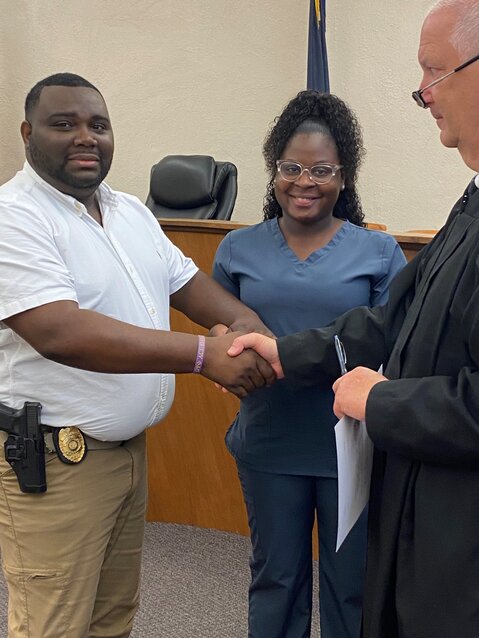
x=423, y=550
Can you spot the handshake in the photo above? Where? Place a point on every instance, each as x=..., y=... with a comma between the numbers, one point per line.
x=240, y=363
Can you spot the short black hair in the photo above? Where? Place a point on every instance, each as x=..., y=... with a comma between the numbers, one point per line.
x=58, y=79
x=309, y=112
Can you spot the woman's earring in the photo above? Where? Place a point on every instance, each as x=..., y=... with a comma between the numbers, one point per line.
x=342, y=187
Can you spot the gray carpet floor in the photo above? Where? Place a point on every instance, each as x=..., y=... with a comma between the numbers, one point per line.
x=194, y=585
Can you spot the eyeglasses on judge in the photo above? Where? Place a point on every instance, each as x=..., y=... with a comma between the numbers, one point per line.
x=319, y=173
x=417, y=95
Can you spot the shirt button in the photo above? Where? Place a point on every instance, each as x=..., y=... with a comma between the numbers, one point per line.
x=152, y=311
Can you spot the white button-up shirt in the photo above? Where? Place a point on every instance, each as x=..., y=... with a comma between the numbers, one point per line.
x=51, y=249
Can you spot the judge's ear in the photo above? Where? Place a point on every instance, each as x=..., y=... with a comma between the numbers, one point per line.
x=26, y=131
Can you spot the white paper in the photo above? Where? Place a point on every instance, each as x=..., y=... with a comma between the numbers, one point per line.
x=355, y=458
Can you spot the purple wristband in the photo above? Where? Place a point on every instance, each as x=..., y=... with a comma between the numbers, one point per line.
x=200, y=354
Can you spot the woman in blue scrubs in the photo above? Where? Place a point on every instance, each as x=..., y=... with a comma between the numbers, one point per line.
x=308, y=262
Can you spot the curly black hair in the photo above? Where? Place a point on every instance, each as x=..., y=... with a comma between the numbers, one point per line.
x=313, y=111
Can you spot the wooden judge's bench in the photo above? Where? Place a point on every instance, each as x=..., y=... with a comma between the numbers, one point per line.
x=192, y=478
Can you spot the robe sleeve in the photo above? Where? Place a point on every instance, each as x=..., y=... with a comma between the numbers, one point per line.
x=309, y=357
x=433, y=419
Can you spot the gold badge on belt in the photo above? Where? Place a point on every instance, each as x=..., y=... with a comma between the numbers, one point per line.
x=70, y=444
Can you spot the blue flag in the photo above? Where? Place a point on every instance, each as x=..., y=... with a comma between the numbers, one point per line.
x=318, y=75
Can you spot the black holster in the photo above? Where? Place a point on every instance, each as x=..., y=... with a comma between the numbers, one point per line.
x=25, y=446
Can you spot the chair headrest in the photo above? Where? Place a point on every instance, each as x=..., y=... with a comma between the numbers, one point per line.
x=183, y=181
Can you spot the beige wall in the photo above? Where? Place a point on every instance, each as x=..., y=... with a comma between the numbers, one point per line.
x=409, y=179
x=189, y=76
x=209, y=76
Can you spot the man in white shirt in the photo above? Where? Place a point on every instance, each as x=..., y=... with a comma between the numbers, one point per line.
x=86, y=280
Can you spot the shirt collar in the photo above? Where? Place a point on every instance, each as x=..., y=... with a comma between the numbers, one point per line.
x=106, y=196
x=476, y=181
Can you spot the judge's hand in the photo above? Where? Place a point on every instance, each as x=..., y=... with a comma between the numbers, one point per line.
x=352, y=392
x=266, y=347
x=239, y=375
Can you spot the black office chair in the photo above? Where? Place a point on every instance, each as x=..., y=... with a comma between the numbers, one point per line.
x=192, y=187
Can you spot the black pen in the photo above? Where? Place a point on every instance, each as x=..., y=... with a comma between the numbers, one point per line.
x=341, y=352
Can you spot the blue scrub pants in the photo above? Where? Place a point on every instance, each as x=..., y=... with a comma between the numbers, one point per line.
x=281, y=512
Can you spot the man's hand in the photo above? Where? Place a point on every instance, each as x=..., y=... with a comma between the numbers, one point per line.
x=241, y=325
x=240, y=375
x=218, y=330
x=266, y=347
x=250, y=324
x=352, y=392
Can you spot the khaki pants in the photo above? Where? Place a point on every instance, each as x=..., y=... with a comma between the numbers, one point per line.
x=72, y=556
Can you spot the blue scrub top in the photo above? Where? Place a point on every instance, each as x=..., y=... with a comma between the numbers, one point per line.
x=285, y=428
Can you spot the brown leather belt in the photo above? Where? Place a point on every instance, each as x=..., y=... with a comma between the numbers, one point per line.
x=93, y=444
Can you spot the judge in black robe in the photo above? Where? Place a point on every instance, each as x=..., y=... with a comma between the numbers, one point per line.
x=423, y=553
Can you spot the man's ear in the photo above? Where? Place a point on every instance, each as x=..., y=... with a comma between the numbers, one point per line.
x=26, y=131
